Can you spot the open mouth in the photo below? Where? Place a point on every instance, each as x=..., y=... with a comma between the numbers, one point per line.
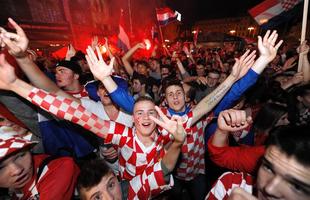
x=21, y=179
x=146, y=124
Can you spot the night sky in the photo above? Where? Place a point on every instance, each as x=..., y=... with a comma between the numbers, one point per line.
x=195, y=10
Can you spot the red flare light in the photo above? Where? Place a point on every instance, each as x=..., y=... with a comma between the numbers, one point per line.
x=147, y=44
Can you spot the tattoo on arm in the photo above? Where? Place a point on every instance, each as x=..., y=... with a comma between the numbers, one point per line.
x=219, y=93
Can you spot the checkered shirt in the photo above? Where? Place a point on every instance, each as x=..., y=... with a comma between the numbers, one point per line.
x=149, y=184
x=81, y=94
x=304, y=117
x=133, y=160
x=289, y=4
x=193, y=150
x=227, y=182
x=10, y=142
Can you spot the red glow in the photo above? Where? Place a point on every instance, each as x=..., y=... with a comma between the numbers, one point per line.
x=103, y=49
x=147, y=44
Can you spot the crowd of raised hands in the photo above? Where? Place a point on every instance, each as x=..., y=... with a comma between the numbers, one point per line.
x=211, y=82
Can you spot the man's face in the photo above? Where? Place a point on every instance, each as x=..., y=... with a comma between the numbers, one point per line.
x=16, y=170
x=213, y=79
x=164, y=72
x=142, y=69
x=141, y=117
x=108, y=188
x=200, y=69
x=136, y=86
x=15, y=127
x=84, y=65
x=64, y=76
x=282, y=177
x=175, y=98
x=104, y=96
x=154, y=65
x=222, y=78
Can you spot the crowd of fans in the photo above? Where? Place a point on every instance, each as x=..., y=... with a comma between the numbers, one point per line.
x=184, y=123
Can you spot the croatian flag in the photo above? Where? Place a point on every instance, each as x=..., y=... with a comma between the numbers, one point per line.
x=268, y=9
x=166, y=15
x=123, y=39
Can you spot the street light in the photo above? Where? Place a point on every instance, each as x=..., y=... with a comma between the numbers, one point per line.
x=232, y=32
x=250, y=29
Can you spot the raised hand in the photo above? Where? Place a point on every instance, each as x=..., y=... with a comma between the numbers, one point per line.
x=267, y=46
x=7, y=74
x=106, y=42
x=140, y=46
x=174, y=125
x=94, y=42
x=243, y=64
x=303, y=48
x=17, y=43
x=202, y=80
x=70, y=52
x=97, y=65
x=233, y=120
x=289, y=63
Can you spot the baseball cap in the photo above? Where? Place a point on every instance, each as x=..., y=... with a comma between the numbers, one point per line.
x=11, y=141
x=70, y=65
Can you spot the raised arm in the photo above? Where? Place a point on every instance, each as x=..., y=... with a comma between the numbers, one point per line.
x=304, y=49
x=103, y=72
x=63, y=108
x=70, y=52
x=127, y=56
x=268, y=48
x=17, y=44
x=174, y=126
x=229, y=157
x=267, y=51
x=157, y=177
x=240, y=68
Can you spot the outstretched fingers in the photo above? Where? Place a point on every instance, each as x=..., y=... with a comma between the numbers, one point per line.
x=161, y=114
x=99, y=53
x=278, y=44
x=18, y=29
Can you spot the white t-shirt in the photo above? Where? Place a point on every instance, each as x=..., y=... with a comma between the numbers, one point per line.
x=98, y=109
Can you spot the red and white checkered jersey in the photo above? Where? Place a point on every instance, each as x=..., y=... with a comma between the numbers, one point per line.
x=193, y=150
x=81, y=94
x=227, y=182
x=149, y=184
x=57, y=180
x=134, y=157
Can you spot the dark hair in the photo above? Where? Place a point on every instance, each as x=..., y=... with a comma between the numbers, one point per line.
x=303, y=90
x=140, y=77
x=169, y=82
x=142, y=62
x=293, y=141
x=92, y=173
x=144, y=98
x=268, y=116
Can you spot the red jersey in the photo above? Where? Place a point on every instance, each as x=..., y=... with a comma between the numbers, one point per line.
x=57, y=180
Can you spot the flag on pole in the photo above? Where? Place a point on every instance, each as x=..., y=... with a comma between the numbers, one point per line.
x=268, y=10
x=123, y=39
x=154, y=33
x=166, y=15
